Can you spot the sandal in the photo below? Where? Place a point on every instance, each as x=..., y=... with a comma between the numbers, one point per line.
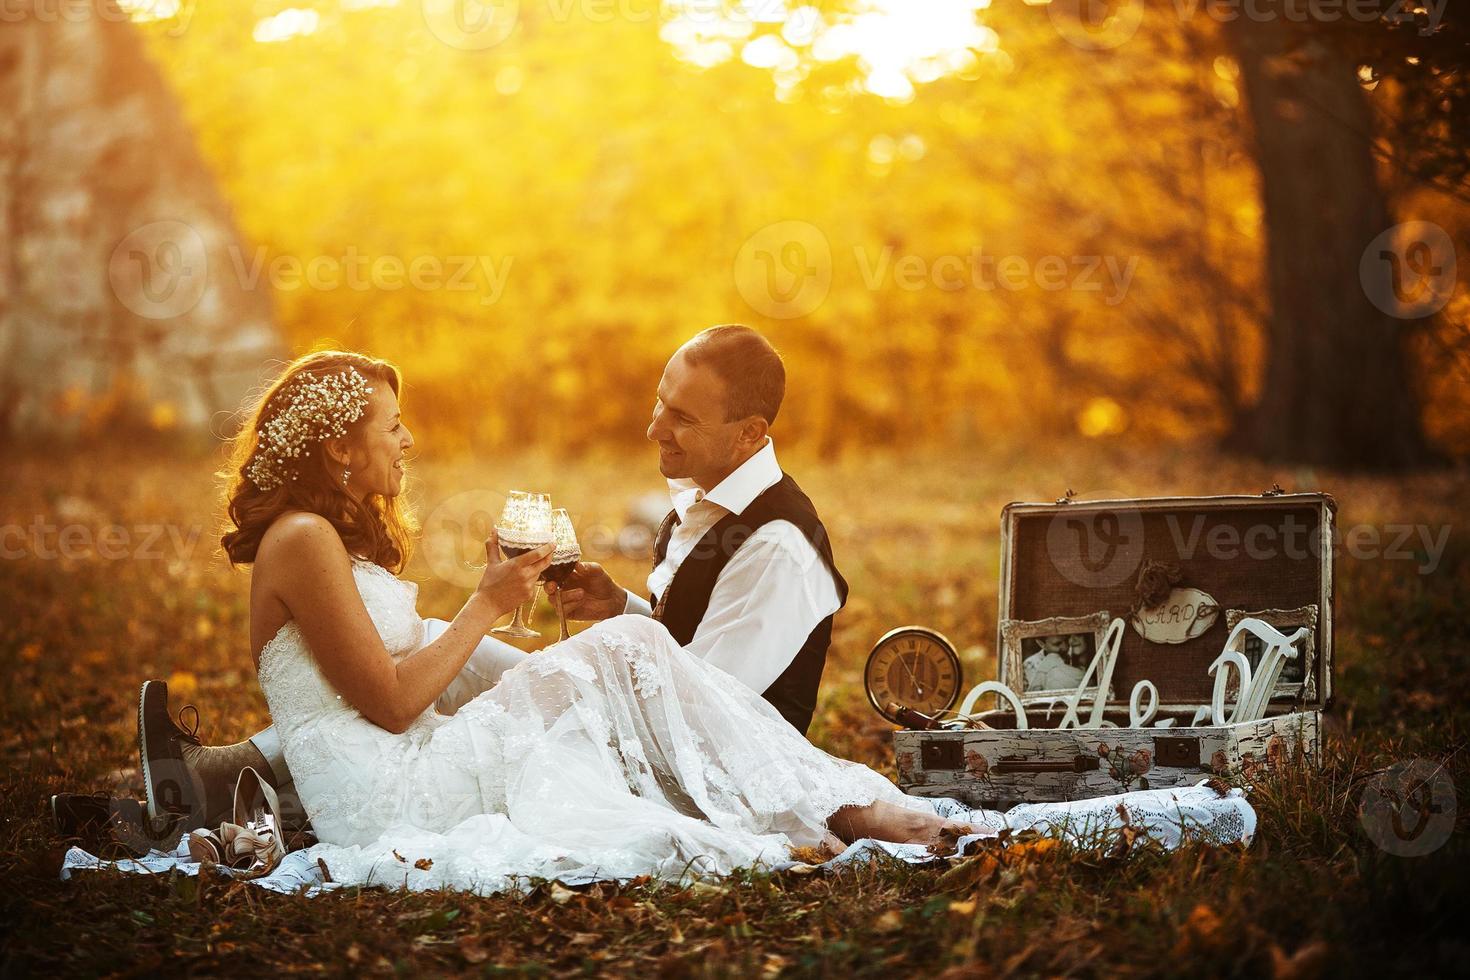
x=251, y=844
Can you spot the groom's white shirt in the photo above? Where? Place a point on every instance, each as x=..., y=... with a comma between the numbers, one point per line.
x=768, y=598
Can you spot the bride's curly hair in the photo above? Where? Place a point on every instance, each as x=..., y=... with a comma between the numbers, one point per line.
x=377, y=528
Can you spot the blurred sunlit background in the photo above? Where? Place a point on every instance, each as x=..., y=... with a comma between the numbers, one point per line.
x=961, y=221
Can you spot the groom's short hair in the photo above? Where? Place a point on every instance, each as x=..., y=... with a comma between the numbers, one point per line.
x=754, y=375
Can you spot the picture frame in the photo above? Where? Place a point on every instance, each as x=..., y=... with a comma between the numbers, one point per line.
x=1298, y=680
x=1050, y=652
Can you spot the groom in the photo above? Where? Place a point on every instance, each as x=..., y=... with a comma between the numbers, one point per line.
x=743, y=571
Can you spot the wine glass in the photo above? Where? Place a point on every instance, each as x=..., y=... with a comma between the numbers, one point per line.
x=568, y=552
x=524, y=525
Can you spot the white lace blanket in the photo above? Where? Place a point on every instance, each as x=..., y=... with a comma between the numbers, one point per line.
x=1167, y=817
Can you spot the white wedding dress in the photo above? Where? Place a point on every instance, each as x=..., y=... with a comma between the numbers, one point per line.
x=610, y=755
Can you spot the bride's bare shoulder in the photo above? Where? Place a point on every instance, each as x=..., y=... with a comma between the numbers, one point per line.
x=296, y=536
x=301, y=567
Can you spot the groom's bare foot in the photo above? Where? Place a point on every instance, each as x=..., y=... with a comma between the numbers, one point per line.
x=882, y=820
x=831, y=846
x=825, y=850
x=890, y=822
x=945, y=839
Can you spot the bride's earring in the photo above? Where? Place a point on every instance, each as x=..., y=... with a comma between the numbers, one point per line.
x=345, y=475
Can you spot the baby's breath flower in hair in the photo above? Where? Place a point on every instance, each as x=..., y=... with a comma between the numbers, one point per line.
x=309, y=409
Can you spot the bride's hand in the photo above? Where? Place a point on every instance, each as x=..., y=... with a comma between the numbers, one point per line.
x=507, y=583
x=589, y=592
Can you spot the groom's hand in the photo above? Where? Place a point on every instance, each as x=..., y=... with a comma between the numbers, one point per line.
x=589, y=592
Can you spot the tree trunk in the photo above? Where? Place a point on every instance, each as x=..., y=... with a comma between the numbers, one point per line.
x=1338, y=389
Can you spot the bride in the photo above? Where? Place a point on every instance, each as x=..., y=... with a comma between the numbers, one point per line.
x=610, y=755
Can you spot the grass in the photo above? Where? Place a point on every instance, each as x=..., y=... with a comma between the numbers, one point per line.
x=917, y=538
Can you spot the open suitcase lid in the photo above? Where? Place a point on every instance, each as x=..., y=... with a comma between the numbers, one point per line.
x=1069, y=567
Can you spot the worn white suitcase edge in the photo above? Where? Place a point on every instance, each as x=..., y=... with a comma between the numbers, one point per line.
x=999, y=767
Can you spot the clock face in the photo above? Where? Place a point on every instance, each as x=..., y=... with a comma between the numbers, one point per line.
x=915, y=667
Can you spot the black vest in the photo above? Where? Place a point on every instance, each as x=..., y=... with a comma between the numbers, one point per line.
x=794, y=693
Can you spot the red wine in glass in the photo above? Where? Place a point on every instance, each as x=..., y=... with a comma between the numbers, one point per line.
x=524, y=525
x=568, y=552
x=558, y=571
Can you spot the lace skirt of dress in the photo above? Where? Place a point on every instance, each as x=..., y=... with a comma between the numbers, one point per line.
x=613, y=754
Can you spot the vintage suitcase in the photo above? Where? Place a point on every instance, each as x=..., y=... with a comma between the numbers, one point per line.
x=1181, y=572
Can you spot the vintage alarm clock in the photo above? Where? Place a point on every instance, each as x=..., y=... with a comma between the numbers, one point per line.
x=912, y=667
